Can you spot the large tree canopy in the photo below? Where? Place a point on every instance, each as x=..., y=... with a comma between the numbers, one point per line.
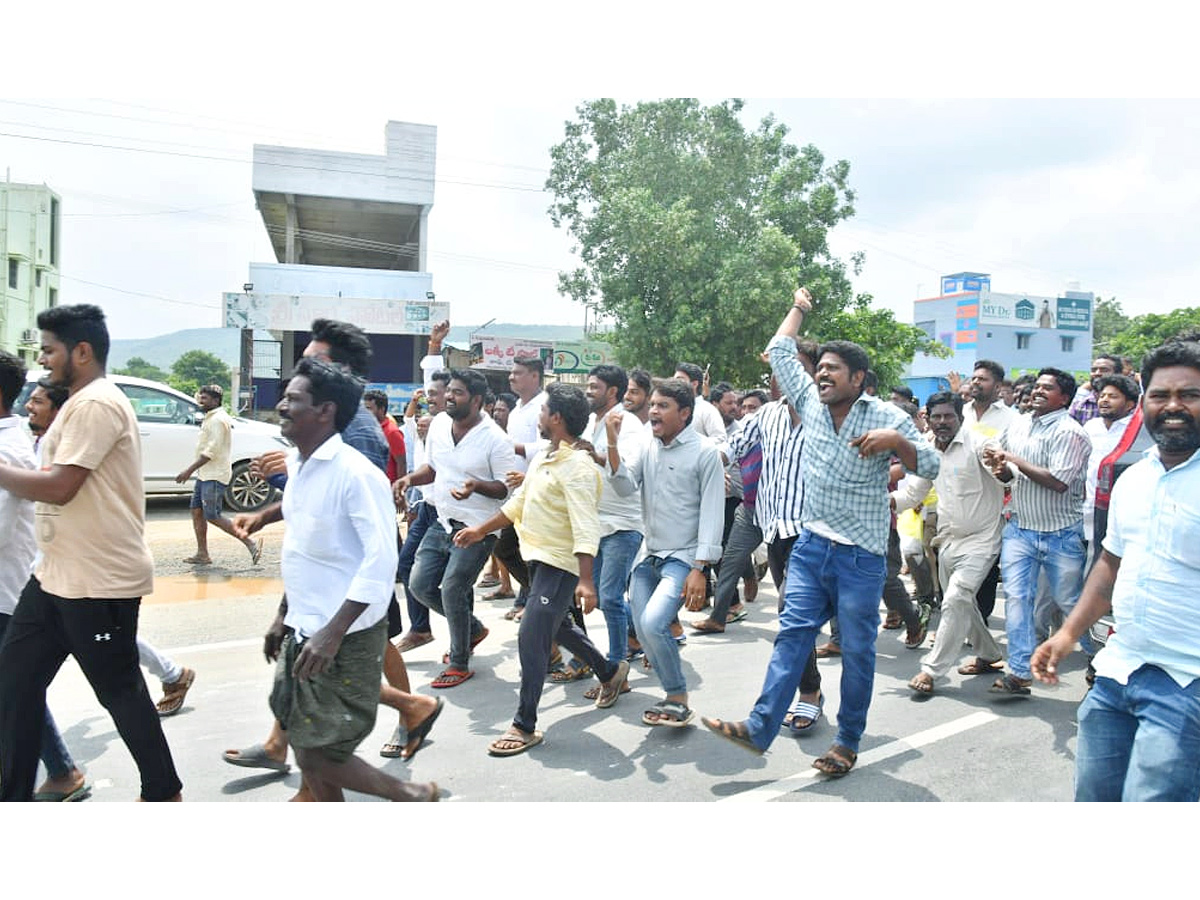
x=1143, y=333
x=693, y=232
x=196, y=368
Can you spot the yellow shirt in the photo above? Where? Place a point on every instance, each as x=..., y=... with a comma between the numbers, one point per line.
x=554, y=510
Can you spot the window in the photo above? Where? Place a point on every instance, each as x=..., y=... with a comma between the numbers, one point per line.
x=53, y=297
x=53, y=231
x=154, y=406
x=1023, y=341
x=13, y=269
x=37, y=277
x=1068, y=344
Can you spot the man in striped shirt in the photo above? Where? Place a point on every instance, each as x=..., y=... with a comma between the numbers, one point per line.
x=837, y=565
x=1044, y=456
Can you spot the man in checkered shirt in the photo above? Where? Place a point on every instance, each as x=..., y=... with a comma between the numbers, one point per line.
x=838, y=562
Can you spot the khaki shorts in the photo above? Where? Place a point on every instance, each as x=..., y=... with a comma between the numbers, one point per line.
x=335, y=711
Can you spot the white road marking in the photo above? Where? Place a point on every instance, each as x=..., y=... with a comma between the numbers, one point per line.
x=803, y=779
x=219, y=645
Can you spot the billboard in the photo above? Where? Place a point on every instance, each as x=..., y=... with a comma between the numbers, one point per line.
x=1016, y=309
x=293, y=312
x=497, y=353
x=580, y=358
x=966, y=323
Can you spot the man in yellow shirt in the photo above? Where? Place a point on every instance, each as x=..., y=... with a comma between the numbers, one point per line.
x=555, y=515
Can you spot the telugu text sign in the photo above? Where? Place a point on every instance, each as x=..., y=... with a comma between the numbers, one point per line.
x=284, y=312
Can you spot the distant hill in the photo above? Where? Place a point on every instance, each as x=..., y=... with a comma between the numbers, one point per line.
x=163, y=350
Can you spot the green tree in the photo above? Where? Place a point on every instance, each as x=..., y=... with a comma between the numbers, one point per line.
x=196, y=368
x=692, y=232
x=1144, y=333
x=1109, y=321
x=140, y=368
x=891, y=344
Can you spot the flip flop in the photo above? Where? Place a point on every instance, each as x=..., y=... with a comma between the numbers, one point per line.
x=256, y=552
x=603, y=699
x=395, y=744
x=197, y=561
x=254, y=758
x=804, y=710
x=514, y=735
x=418, y=734
x=80, y=793
x=670, y=713
x=735, y=616
x=451, y=678
x=982, y=666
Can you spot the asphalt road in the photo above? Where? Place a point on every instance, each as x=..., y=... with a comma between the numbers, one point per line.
x=963, y=744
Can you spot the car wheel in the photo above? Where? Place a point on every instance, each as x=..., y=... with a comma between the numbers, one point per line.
x=246, y=491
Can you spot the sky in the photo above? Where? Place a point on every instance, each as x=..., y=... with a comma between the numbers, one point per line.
x=159, y=217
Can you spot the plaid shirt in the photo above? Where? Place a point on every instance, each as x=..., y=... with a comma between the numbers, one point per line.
x=847, y=493
x=1084, y=407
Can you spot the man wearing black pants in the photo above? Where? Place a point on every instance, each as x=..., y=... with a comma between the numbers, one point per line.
x=84, y=597
x=555, y=513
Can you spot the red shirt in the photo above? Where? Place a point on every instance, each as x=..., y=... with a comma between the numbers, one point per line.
x=395, y=441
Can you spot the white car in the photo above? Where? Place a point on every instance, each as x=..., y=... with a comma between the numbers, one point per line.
x=168, y=422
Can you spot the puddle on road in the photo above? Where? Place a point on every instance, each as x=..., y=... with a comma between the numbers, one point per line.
x=189, y=588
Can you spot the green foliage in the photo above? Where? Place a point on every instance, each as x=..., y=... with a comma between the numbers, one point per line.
x=692, y=232
x=891, y=345
x=140, y=368
x=1144, y=333
x=1109, y=320
x=196, y=368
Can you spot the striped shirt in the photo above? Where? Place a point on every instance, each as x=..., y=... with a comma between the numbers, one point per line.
x=780, y=484
x=846, y=493
x=1058, y=443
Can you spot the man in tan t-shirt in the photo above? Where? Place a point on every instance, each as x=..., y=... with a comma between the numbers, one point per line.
x=84, y=596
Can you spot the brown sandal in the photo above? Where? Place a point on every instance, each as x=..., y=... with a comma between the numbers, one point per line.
x=836, y=762
x=982, y=666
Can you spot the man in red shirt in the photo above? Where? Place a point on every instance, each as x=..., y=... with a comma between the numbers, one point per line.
x=376, y=403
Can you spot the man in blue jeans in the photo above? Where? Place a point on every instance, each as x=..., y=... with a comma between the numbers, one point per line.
x=1139, y=726
x=1044, y=457
x=620, y=517
x=838, y=561
x=467, y=459
x=682, y=485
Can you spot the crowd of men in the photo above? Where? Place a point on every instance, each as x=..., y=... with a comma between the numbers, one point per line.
x=638, y=496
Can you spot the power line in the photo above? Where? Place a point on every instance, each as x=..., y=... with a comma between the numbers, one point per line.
x=109, y=287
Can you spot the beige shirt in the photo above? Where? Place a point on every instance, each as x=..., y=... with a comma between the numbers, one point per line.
x=216, y=441
x=95, y=545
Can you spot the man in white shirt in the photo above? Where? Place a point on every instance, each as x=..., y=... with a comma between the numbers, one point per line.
x=527, y=380
x=1116, y=399
x=213, y=470
x=706, y=419
x=468, y=457
x=620, y=517
x=338, y=564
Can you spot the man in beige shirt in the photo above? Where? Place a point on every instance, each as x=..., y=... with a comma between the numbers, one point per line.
x=213, y=470
x=554, y=512
x=84, y=596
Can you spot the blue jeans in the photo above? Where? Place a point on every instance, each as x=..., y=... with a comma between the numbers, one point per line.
x=656, y=593
x=55, y=755
x=418, y=613
x=824, y=579
x=1024, y=555
x=1139, y=741
x=610, y=571
x=443, y=578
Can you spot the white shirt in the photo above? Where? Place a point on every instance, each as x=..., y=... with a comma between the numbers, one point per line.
x=523, y=429
x=429, y=365
x=618, y=513
x=16, y=514
x=1104, y=441
x=340, y=541
x=484, y=454
x=707, y=421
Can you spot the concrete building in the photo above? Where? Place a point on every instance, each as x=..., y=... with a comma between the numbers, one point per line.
x=30, y=236
x=350, y=233
x=1022, y=332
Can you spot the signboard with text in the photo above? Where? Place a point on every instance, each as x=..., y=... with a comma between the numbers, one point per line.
x=284, y=312
x=1074, y=314
x=498, y=353
x=580, y=358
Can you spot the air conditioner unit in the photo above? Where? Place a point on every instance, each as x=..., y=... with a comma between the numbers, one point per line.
x=30, y=336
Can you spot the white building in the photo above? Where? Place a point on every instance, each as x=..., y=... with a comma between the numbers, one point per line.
x=30, y=235
x=350, y=234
